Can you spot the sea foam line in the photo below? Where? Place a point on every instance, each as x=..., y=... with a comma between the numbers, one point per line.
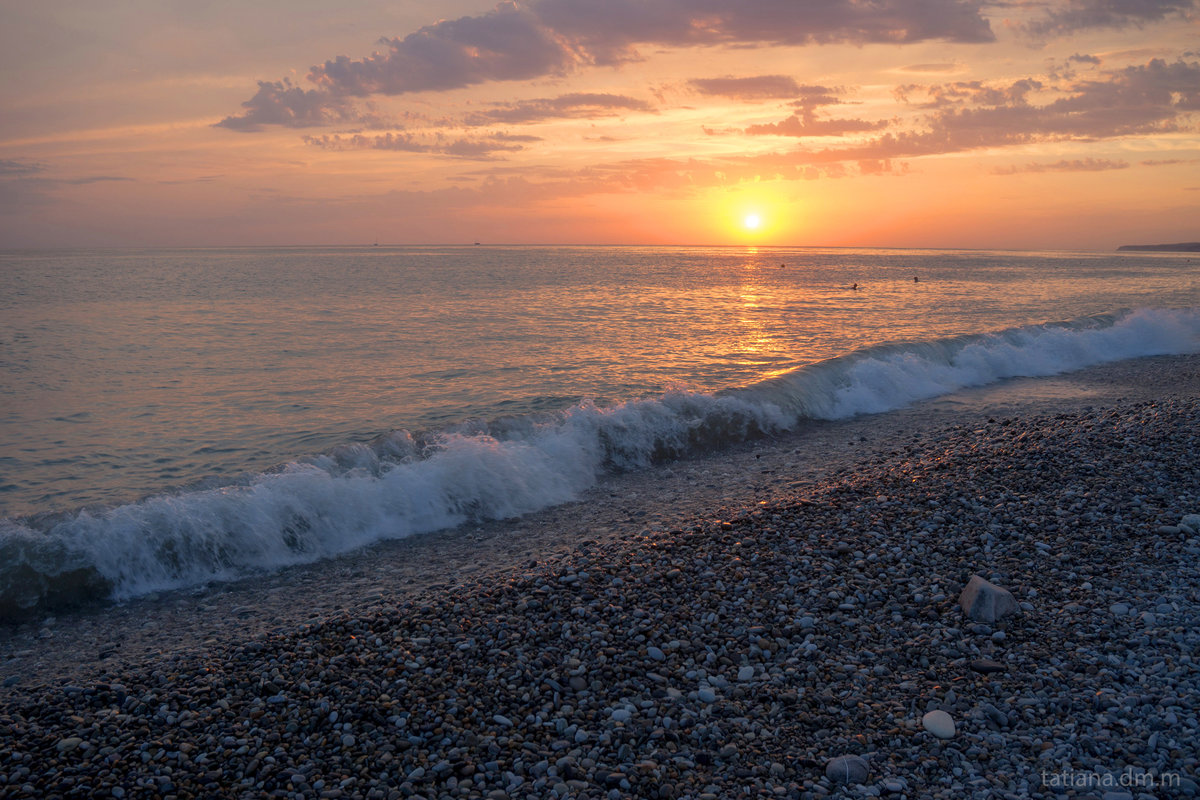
x=358, y=494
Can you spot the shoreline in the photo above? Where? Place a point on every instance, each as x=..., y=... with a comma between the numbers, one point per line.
x=717, y=627
x=75, y=645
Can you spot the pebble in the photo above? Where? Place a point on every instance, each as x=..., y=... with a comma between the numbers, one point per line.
x=939, y=723
x=686, y=659
x=984, y=601
x=847, y=769
x=986, y=666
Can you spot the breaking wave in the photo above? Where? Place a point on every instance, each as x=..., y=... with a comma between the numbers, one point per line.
x=400, y=485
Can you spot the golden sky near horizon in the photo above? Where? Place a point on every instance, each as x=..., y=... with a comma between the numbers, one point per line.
x=1070, y=124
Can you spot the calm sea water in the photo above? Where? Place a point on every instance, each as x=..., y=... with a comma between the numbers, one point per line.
x=173, y=416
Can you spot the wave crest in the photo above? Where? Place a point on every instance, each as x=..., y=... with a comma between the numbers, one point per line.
x=398, y=485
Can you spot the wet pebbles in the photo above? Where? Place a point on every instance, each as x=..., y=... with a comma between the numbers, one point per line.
x=802, y=647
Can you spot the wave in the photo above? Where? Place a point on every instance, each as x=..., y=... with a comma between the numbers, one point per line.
x=400, y=485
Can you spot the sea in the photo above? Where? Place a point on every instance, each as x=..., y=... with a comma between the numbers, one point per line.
x=174, y=418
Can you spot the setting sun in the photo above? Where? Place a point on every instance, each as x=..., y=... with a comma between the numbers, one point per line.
x=752, y=222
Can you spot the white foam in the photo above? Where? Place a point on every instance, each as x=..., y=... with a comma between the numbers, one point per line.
x=356, y=495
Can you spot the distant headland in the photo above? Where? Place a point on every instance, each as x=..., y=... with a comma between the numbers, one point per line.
x=1182, y=247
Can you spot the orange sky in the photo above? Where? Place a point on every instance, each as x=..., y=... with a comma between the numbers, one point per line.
x=923, y=123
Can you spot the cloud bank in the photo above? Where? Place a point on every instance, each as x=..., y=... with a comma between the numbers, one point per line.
x=554, y=37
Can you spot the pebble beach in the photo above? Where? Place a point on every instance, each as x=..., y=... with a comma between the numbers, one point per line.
x=781, y=620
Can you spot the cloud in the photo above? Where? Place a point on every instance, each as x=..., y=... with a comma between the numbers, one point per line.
x=1153, y=98
x=1076, y=165
x=283, y=103
x=480, y=148
x=944, y=66
x=753, y=88
x=1084, y=14
x=15, y=168
x=610, y=30
x=508, y=43
x=554, y=37
x=1168, y=162
x=585, y=105
x=806, y=124
x=804, y=121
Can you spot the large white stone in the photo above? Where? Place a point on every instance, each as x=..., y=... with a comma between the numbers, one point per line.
x=939, y=723
x=986, y=602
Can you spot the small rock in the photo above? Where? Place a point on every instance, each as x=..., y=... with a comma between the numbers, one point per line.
x=939, y=723
x=986, y=666
x=745, y=673
x=655, y=654
x=986, y=602
x=847, y=769
x=68, y=744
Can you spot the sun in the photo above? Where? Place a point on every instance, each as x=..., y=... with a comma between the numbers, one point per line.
x=752, y=222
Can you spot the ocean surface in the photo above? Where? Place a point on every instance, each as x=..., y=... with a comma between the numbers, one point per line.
x=170, y=418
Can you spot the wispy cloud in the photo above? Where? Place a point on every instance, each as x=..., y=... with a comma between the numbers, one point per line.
x=751, y=88
x=579, y=105
x=804, y=120
x=1072, y=165
x=933, y=68
x=16, y=168
x=481, y=148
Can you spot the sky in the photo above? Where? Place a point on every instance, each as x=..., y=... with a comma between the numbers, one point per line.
x=1068, y=124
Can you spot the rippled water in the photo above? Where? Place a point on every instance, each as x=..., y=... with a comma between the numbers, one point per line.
x=127, y=373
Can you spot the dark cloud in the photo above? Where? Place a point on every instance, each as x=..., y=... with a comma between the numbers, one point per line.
x=1084, y=14
x=1075, y=165
x=585, y=105
x=506, y=44
x=1082, y=58
x=757, y=87
x=552, y=37
x=480, y=148
x=611, y=29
